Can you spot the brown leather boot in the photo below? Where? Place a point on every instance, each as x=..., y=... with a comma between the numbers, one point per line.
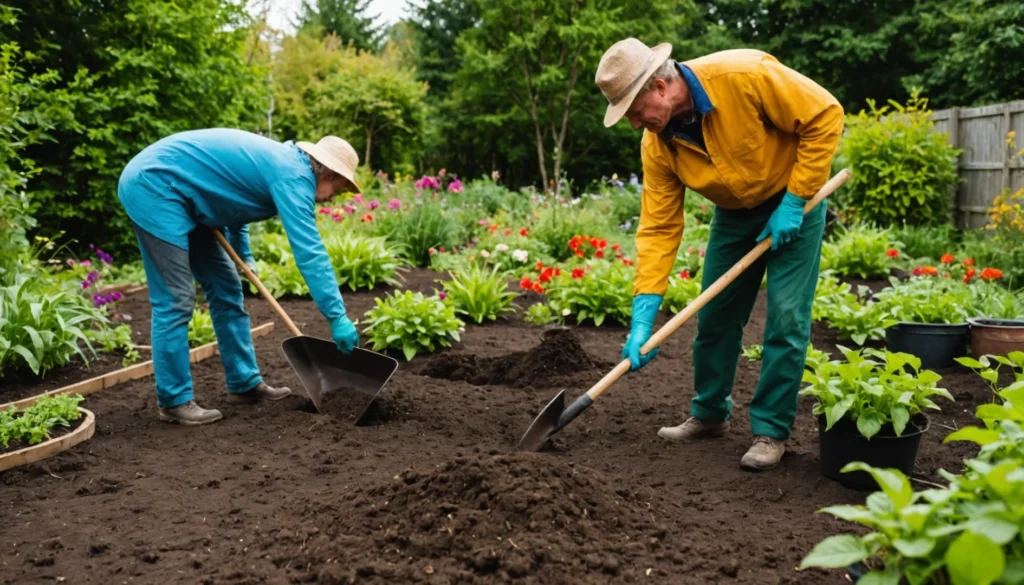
x=695, y=428
x=190, y=414
x=764, y=454
x=261, y=393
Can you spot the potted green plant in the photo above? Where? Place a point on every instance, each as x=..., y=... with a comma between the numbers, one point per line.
x=870, y=408
x=932, y=313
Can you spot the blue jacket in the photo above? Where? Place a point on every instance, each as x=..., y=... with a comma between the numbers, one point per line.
x=226, y=178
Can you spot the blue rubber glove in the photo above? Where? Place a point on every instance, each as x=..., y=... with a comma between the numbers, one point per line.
x=645, y=309
x=784, y=224
x=344, y=334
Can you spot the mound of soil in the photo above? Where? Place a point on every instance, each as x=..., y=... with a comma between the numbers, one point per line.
x=558, y=355
x=482, y=519
x=348, y=405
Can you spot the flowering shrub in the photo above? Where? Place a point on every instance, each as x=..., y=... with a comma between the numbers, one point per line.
x=862, y=250
x=413, y=323
x=600, y=291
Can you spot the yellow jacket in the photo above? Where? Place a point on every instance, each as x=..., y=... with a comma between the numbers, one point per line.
x=766, y=128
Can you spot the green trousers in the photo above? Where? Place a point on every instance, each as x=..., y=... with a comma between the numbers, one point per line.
x=792, y=278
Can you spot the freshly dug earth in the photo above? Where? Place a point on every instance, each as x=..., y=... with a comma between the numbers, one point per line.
x=558, y=356
x=513, y=518
x=233, y=502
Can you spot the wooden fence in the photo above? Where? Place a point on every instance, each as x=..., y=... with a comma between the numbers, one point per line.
x=984, y=165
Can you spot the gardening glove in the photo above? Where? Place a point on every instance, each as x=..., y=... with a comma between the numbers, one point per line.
x=645, y=309
x=344, y=334
x=784, y=224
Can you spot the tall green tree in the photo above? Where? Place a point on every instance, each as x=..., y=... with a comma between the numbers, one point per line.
x=437, y=26
x=130, y=72
x=346, y=19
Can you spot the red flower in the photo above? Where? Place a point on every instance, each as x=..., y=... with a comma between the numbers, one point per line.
x=537, y=288
x=929, y=271
x=558, y=272
x=593, y=242
x=367, y=217
x=947, y=259
x=615, y=247
x=523, y=232
x=892, y=253
x=627, y=261
x=968, y=261
x=432, y=251
x=540, y=265
x=991, y=274
x=441, y=248
x=599, y=254
x=602, y=243
x=970, y=274
x=507, y=231
x=546, y=275
x=526, y=283
x=574, y=243
x=492, y=228
x=577, y=273
x=701, y=252
x=579, y=253
x=685, y=275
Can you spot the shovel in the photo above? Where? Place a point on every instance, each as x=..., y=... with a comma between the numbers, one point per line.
x=556, y=416
x=321, y=367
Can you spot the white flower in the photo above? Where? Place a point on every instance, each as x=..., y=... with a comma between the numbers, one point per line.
x=485, y=253
x=520, y=255
x=501, y=248
x=566, y=312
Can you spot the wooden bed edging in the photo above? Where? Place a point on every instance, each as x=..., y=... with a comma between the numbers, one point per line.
x=51, y=447
x=128, y=374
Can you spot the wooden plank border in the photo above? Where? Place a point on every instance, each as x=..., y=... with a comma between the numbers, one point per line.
x=84, y=432
x=111, y=379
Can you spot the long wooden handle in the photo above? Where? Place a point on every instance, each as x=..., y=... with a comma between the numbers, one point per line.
x=723, y=281
x=259, y=284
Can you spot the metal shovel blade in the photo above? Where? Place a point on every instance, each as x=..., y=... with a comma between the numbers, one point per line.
x=355, y=379
x=545, y=425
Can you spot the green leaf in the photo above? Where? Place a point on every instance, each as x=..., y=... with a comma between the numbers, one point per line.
x=890, y=576
x=837, y=551
x=996, y=526
x=852, y=514
x=892, y=481
x=30, y=359
x=973, y=559
x=869, y=423
x=914, y=547
x=974, y=434
x=900, y=418
x=970, y=363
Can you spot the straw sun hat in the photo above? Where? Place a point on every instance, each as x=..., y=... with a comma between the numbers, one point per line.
x=622, y=72
x=335, y=154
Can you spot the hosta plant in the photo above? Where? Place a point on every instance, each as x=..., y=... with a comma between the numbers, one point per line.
x=200, y=328
x=33, y=424
x=479, y=294
x=363, y=262
x=426, y=226
x=855, y=317
x=872, y=388
x=412, y=322
x=280, y=279
x=599, y=291
x=682, y=289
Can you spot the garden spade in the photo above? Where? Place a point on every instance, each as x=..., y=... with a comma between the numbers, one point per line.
x=351, y=381
x=556, y=415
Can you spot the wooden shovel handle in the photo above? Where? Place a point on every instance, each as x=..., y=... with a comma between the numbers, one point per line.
x=723, y=281
x=259, y=284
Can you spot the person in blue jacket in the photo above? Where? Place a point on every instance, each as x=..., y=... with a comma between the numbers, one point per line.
x=180, y=188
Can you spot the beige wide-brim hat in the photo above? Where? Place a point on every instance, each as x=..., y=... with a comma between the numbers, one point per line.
x=622, y=72
x=335, y=154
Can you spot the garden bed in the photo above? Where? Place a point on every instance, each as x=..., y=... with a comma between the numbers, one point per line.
x=436, y=493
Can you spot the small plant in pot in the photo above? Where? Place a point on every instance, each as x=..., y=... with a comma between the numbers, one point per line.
x=932, y=313
x=870, y=408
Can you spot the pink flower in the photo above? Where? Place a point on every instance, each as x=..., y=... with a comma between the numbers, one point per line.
x=85, y=263
x=442, y=173
x=373, y=204
x=394, y=204
x=482, y=222
x=442, y=295
x=455, y=186
x=427, y=183
x=348, y=209
x=325, y=210
x=358, y=198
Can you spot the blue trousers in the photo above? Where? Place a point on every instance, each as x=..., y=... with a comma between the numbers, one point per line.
x=169, y=274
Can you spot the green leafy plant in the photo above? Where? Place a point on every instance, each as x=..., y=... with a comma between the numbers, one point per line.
x=872, y=392
x=200, y=328
x=362, y=262
x=598, y=292
x=855, y=317
x=927, y=300
x=539, y=314
x=412, y=322
x=116, y=339
x=983, y=366
x=861, y=250
x=280, y=279
x=680, y=292
x=479, y=294
x=557, y=225
x=33, y=424
x=753, y=352
x=928, y=241
x=425, y=226
x=902, y=167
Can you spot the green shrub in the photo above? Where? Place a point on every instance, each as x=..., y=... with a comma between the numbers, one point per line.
x=425, y=226
x=927, y=241
x=928, y=300
x=680, y=292
x=557, y=225
x=479, y=294
x=412, y=322
x=200, y=328
x=872, y=392
x=270, y=247
x=539, y=314
x=280, y=279
x=32, y=425
x=854, y=316
x=603, y=290
x=902, y=167
x=861, y=250
x=362, y=262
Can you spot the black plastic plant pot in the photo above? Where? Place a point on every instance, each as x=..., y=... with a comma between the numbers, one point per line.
x=855, y=571
x=937, y=344
x=843, y=444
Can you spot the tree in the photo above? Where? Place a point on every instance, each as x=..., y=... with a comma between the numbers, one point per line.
x=346, y=19
x=130, y=72
x=542, y=55
x=437, y=26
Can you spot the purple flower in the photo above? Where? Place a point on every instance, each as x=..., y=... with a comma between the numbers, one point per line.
x=394, y=204
x=373, y=204
x=93, y=277
x=455, y=186
x=85, y=284
x=106, y=258
x=428, y=183
x=442, y=295
x=116, y=296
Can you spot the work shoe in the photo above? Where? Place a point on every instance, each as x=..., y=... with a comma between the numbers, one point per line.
x=190, y=414
x=261, y=393
x=764, y=454
x=695, y=428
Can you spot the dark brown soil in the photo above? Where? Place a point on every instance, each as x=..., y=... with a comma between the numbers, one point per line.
x=274, y=494
x=558, y=356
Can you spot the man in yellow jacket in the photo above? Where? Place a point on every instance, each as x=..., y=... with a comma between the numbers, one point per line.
x=757, y=139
